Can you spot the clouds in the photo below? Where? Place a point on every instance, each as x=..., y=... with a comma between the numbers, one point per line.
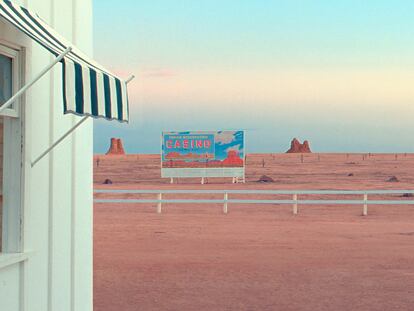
x=224, y=138
x=269, y=91
x=229, y=141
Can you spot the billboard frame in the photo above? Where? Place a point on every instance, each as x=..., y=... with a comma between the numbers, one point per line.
x=236, y=173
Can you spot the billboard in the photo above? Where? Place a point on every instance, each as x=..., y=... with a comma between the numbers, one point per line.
x=202, y=154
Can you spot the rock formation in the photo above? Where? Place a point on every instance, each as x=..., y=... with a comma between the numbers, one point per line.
x=116, y=147
x=297, y=147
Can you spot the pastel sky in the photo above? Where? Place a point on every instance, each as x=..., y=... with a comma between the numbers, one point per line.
x=338, y=73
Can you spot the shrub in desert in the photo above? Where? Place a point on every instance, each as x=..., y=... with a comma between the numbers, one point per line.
x=265, y=178
x=393, y=179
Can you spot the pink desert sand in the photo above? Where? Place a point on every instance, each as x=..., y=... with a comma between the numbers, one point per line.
x=193, y=257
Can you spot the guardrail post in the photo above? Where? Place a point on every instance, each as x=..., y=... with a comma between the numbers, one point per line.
x=295, y=204
x=159, y=204
x=226, y=197
x=365, y=209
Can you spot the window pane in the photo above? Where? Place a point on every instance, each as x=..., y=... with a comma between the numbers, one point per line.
x=6, y=84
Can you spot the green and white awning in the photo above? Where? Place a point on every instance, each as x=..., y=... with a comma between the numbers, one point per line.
x=88, y=88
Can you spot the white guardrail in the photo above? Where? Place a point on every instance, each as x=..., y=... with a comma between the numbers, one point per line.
x=295, y=201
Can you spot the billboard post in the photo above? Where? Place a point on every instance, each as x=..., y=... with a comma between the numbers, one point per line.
x=203, y=154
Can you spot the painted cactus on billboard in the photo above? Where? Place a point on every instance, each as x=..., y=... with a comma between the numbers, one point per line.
x=202, y=151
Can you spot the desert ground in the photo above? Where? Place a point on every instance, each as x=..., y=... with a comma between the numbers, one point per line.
x=257, y=257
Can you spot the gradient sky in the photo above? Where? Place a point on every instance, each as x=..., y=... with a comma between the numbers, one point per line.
x=338, y=73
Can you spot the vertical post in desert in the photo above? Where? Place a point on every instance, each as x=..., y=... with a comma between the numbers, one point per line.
x=295, y=204
x=226, y=197
x=159, y=204
x=365, y=209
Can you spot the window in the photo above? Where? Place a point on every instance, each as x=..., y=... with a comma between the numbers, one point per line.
x=10, y=154
x=9, y=78
x=6, y=83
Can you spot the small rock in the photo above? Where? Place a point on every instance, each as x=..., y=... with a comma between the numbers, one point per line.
x=408, y=195
x=393, y=179
x=265, y=178
x=351, y=174
x=107, y=182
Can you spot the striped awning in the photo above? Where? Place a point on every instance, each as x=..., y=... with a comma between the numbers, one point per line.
x=88, y=88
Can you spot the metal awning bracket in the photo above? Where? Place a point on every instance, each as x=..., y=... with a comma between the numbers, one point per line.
x=68, y=133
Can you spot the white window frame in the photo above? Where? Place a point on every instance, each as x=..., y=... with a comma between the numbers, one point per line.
x=15, y=55
x=12, y=226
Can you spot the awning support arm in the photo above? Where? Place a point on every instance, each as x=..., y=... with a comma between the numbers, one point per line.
x=59, y=141
x=130, y=78
x=68, y=132
x=37, y=78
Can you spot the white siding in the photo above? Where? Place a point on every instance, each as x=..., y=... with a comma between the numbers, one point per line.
x=9, y=287
x=1, y=179
x=57, y=190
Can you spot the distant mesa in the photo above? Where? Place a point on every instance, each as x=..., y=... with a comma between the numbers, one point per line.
x=297, y=147
x=116, y=147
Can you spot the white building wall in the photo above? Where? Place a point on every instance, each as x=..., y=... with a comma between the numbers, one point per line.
x=57, y=191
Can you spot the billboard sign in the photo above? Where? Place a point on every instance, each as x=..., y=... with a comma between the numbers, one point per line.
x=202, y=154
